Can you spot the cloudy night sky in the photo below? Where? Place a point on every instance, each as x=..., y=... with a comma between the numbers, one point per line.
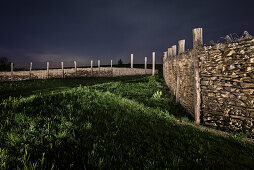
x=65, y=30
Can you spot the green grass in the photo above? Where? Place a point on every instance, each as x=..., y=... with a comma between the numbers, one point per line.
x=29, y=87
x=116, y=125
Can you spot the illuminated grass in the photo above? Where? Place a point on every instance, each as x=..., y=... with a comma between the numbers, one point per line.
x=109, y=126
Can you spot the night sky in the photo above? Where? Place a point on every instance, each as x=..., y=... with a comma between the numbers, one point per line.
x=67, y=30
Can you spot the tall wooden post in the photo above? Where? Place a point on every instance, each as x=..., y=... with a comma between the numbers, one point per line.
x=75, y=66
x=145, y=63
x=181, y=48
x=153, y=71
x=62, y=65
x=197, y=37
x=165, y=65
x=170, y=54
x=131, y=60
x=173, y=68
x=173, y=50
x=99, y=66
x=164, y=56
x=91, y=67
x=111, y=65
x=11, y=71
x=197, y=42
x=47, y=69
x=30, y=70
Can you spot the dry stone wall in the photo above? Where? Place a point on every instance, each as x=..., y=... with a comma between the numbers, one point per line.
x=166, y=71
x=186, y=78
x=81, y=72
x=226, y=74
x=227, y=84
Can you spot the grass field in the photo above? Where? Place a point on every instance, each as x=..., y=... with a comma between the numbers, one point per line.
x=106, y=123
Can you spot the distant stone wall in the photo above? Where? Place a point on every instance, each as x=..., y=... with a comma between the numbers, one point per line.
x=223, y=77
x=81, y=72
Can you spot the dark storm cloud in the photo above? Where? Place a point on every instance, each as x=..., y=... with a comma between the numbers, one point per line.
x=92, y=29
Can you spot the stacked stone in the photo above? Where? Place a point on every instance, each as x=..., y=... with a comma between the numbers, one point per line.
x=170, y=65
x=184, y=62
x=167, y=68
x=223, y=75
x=186, y=89
x=227, y=84
x=174, y=69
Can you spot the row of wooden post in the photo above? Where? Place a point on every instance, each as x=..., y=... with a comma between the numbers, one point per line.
x=171, y=53
x=75, y=66
x=153, y=62
x=62, y=67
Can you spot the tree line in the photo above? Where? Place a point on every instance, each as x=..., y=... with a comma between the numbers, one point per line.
x=5, y=64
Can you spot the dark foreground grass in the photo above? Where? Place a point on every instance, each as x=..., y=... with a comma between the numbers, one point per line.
x=90, y=127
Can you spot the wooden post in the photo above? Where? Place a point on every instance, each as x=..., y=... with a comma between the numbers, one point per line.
x=197, y=37
x=99, y=65
x=62, y=65
x=170, y=54
x=165, y=64
x=173, y=68
x=181, y=48
x=11, y=71
x=30, y=70
x=47, y=69
x=131, y=60
x=173, y=50
x=165, y=57
x=111, y=64
x=75, y=66
x=145, y=63
x=197, y=42
x=153, y=71
x=91, y=67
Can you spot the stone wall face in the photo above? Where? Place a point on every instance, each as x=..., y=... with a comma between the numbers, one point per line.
x=166, y=71
x=227, y=85
x=186, y=78
x=226, y=73
x=173, y=73
x=81, y=72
